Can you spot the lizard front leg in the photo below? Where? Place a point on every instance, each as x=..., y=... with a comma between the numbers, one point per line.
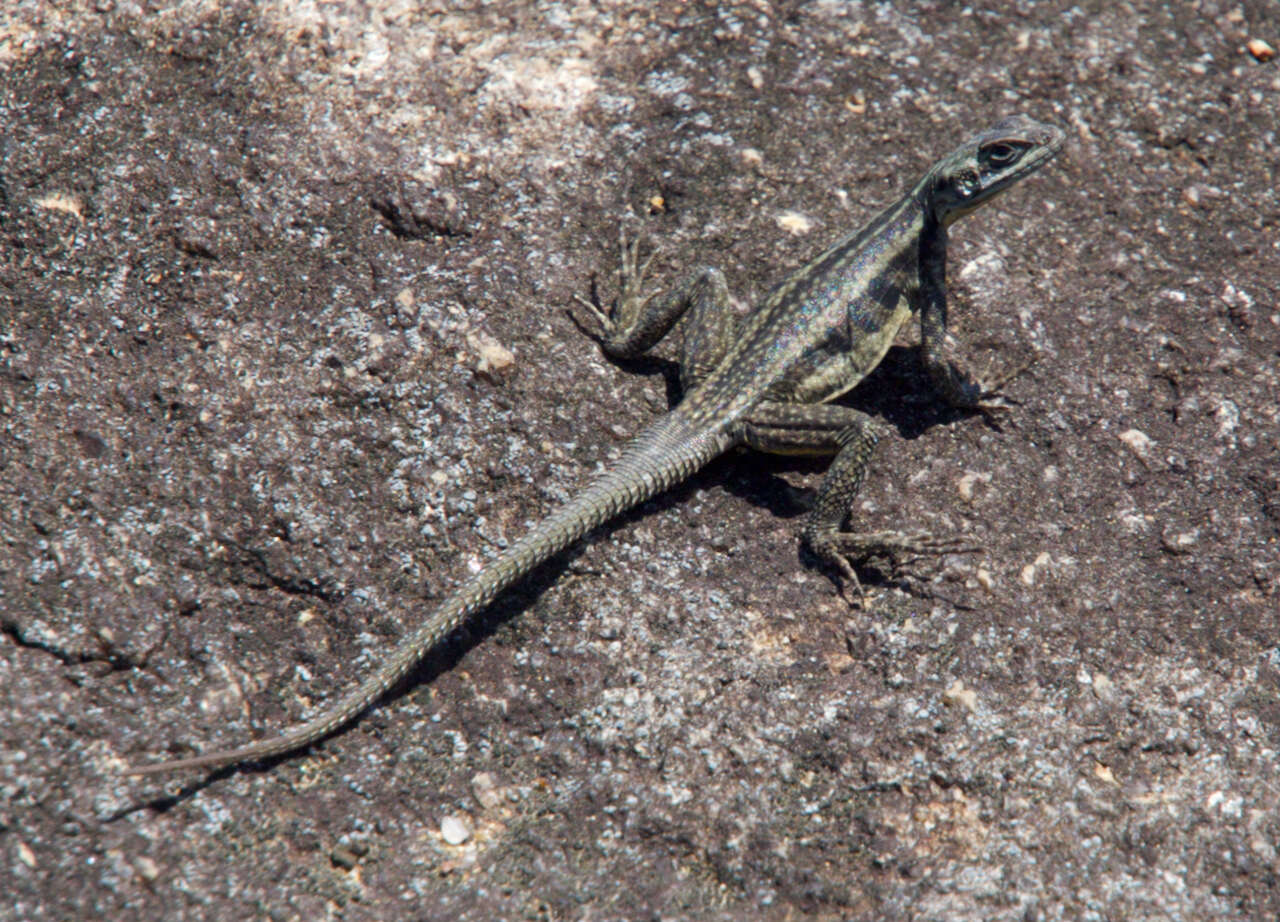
x=950, y=372
x=784, y=428
x=640, y=320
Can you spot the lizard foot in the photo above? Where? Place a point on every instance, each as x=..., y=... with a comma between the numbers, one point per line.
x=608, y=326
x=983, y=392
x=602, y=325
x=837, y=547
x=991, y=403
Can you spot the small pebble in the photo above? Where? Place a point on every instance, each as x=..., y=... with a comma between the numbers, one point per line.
x=1261, y=50
x=958, y=695
x=343, y=857
x=485, y=790
x=455, y=829
x=494, y=358
x=1138, y=442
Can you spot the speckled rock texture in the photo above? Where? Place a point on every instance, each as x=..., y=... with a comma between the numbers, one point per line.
x=285, y=352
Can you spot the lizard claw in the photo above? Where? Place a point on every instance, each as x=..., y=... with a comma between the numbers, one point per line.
x=991, y=402
x=631, y=273
x=991, y=386
x=603, y=323
x=849, y=578
x=995, y=408
x=983, y=392
x=608, y=326
x=836, y=549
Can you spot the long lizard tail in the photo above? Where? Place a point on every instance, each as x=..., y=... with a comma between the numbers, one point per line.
x=666, y=453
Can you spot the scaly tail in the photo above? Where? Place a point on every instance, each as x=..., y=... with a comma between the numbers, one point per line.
x=669, y=451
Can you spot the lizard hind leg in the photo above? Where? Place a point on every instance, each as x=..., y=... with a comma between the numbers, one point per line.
x=711, y=328
x=851, y=436
x=641, y=318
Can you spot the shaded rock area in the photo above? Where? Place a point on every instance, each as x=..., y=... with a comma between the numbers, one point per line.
x=285, y=352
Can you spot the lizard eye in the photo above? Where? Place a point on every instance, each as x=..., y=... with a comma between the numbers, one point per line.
x=1001, y=154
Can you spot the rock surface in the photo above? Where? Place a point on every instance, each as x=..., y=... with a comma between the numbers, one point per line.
x=284, y=353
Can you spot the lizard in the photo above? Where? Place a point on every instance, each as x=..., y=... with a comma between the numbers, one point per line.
x=765, y=380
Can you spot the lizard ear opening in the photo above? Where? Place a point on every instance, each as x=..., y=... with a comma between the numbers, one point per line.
x=966, y=184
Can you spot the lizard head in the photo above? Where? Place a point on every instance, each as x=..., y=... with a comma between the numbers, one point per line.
x=990, y=163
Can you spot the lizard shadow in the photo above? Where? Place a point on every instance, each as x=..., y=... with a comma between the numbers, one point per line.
x=650, y=366
x=473, y=632
x=898, y=392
